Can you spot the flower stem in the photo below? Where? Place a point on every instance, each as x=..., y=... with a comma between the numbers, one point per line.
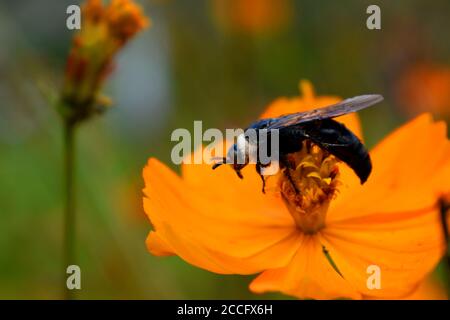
x=69, y=216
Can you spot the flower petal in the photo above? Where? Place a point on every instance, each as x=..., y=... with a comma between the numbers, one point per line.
x=308, y=275
x=405, y=246
x=157, y=246
x=429, y=289
x=217, y=233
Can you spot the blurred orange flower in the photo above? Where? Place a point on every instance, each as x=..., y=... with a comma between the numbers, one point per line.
x=320, y=244
x=252, y=16
x=425, y=88
x=104, y=31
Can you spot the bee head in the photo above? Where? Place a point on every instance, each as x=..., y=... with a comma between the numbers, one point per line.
x=237, y=156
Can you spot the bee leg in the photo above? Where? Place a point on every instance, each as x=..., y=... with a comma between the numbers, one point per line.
x=285, y=163
x=288, y=175
x=258, y=170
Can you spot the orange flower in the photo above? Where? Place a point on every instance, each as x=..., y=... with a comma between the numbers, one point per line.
x=104, y=31
x=252, y=16
x=424, y=88
x=320, y=244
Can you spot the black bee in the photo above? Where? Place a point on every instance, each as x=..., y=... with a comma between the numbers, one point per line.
x=316, y=126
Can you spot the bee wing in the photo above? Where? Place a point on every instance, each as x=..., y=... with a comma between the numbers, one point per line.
x=339, y=109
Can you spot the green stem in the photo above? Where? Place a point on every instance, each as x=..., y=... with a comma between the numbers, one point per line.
x=69, y=216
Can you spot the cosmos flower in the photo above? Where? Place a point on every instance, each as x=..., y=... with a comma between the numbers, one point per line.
x=318, y=244
x=104, y=31
x=424, y=88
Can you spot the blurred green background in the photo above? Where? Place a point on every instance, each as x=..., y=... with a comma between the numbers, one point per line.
x=220, y=62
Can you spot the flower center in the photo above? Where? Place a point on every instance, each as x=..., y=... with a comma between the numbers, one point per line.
x=308, y=185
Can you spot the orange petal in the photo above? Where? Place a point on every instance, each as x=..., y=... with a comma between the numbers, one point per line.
x=308, y=275
x=405, y=246
x=217, y=233
x=157, y=246
x=429, y=289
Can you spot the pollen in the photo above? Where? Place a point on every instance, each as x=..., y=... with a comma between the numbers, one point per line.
x=308, y=184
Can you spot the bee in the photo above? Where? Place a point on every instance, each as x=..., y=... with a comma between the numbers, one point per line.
x=316, y=126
